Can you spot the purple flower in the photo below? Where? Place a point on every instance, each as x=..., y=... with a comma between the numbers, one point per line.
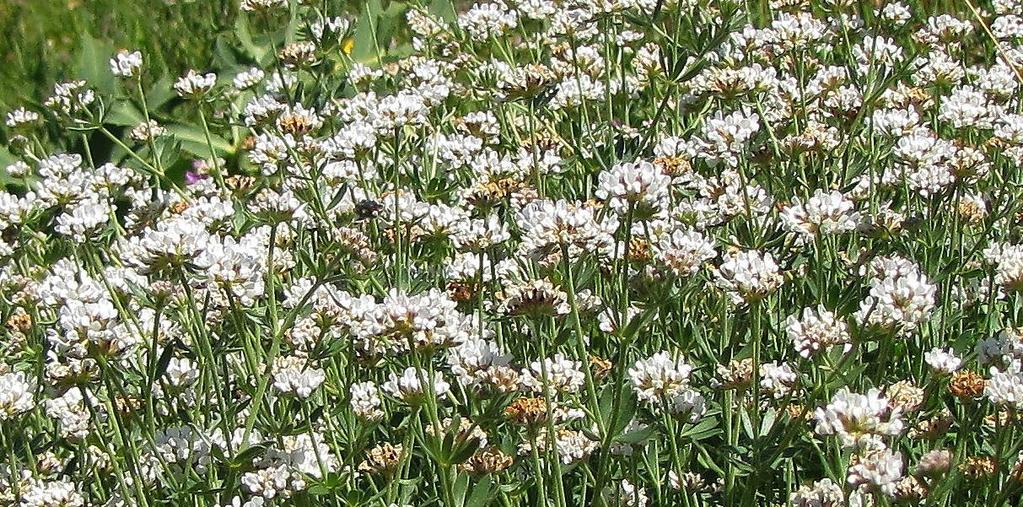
x=192, y=177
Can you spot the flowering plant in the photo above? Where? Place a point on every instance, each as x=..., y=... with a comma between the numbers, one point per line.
x=542, y=252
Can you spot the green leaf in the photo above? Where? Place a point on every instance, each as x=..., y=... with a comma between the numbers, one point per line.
x=636, y=436
x=193, y=140
x=243, y=460
x=465, y=451
x=170, y=152
x=638, y=323
x=702, y=429
x=5, y=159
x=604, y=403
x=160, y=93
x=443, y=9
x=124, y=114
x=390, y=19
x=319, y=490
x=747, y=424
x=224, y=54
x=626, y=411
x=481, y=494
x=460, y=488
x=365, y=49
x=244, y=36
x=94, y=64
x=164, y=360
x=450, y=432
x=770, y=416
x=704, y=459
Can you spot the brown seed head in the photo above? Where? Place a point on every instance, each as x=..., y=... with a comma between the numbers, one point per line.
x=527, y=411
x=487, y=461
x=20, y=321
x=382, y=459
x=966, y=385
x=978, y=467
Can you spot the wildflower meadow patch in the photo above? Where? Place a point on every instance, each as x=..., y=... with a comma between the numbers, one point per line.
x=524, y=253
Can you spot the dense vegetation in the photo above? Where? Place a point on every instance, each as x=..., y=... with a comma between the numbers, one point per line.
x=544, y=252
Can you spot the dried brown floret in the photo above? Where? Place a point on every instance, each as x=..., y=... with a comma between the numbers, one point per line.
x=600, y=367
x=966, y=385
x=487, y=461
x=527, y=411
x=382, y=459
x=20, y=321
x=978, y=467
x=673, y=166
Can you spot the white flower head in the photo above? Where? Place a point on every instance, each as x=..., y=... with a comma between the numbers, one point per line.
x=748, y=275
x=942, y=361
x=194, y=84
x=16, y=395
x=409, y=387
x=126, y=64
x=859, y=420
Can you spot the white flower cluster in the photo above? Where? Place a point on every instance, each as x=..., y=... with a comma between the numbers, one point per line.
x=823, y=214
x=815, y=330
x=684, y=251
x=194, y=84
x=748, y=275
x=413, y=386
x=637, y=184
x=16, y=395
x=901, y=297
x=548, y=225
x=859, y=420
x=664, y=382
x=292, y=376
x=126, y=64
x=628, y=240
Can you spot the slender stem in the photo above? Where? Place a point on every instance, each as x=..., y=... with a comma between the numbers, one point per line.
x=217, y=174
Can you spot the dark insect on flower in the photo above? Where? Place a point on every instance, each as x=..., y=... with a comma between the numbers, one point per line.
x=298, y=54
x=536, y=298
x=933, y=427
x=462, y=291
x=640, y=250
x=295, y=124
x=368, y=208
x=127, y=405
x=673, y=166
x=179, y=207
x=910, y=490
x=240, y=184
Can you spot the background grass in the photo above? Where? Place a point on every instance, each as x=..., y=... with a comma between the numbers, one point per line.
x=43, y=41
x=46, y=41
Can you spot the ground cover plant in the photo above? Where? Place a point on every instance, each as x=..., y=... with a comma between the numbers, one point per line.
x=548, y=252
